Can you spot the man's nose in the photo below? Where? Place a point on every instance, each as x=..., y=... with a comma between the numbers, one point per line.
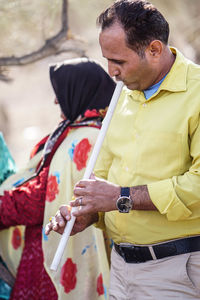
x=113, y=70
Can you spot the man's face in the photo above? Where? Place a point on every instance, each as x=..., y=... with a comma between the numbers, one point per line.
x=123, y=63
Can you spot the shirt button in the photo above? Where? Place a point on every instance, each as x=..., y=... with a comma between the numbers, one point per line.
x=144, y=104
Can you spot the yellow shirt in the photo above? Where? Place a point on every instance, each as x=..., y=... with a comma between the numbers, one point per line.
x=156, y=142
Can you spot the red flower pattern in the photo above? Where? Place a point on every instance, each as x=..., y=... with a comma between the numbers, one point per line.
x=52, y=188
x=91, y=113
x=100, y=288
x=81, y=153
x=68, y=275
x=16, y=238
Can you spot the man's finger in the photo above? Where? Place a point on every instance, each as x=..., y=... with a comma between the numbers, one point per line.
x=48, y=228
x=65, y=212
x=92, y=176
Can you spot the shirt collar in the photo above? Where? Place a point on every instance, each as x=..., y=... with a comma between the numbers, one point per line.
x=176, y=79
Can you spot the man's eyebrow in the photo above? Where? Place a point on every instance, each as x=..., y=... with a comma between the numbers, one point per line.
x=115, y=60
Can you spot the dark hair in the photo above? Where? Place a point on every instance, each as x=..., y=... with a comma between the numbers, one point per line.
x=141, y=21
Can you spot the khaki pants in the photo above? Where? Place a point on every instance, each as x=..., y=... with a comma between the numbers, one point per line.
x=176, y=277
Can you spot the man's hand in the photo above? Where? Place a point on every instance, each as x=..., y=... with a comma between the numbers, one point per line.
x=63, y=215
x=97, y=195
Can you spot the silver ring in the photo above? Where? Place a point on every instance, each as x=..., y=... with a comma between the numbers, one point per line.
x=80, y=201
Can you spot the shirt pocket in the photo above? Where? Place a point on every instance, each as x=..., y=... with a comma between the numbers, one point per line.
x=159, y=155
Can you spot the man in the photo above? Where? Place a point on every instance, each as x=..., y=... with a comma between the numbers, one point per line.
x=148, y=199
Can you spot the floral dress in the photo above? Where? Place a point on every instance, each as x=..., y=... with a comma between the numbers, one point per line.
x=84, y=271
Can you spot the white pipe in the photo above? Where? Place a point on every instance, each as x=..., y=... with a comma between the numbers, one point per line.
x=88, y=171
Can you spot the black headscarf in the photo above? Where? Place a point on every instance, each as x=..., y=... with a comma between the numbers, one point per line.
x=81, y=84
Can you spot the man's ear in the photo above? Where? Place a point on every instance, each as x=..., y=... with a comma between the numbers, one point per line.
x=155, y=48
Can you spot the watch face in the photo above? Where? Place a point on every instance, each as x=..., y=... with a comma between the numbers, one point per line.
x=124, y=204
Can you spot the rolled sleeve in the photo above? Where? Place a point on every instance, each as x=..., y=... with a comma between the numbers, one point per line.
x=164, y=197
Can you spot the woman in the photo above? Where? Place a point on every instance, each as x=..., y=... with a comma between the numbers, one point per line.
x=83, y=90
x=7, y=168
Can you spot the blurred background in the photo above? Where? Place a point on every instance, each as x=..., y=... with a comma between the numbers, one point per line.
x=35, y=33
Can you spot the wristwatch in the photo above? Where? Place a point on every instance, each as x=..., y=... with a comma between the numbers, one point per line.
x=124, y=202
